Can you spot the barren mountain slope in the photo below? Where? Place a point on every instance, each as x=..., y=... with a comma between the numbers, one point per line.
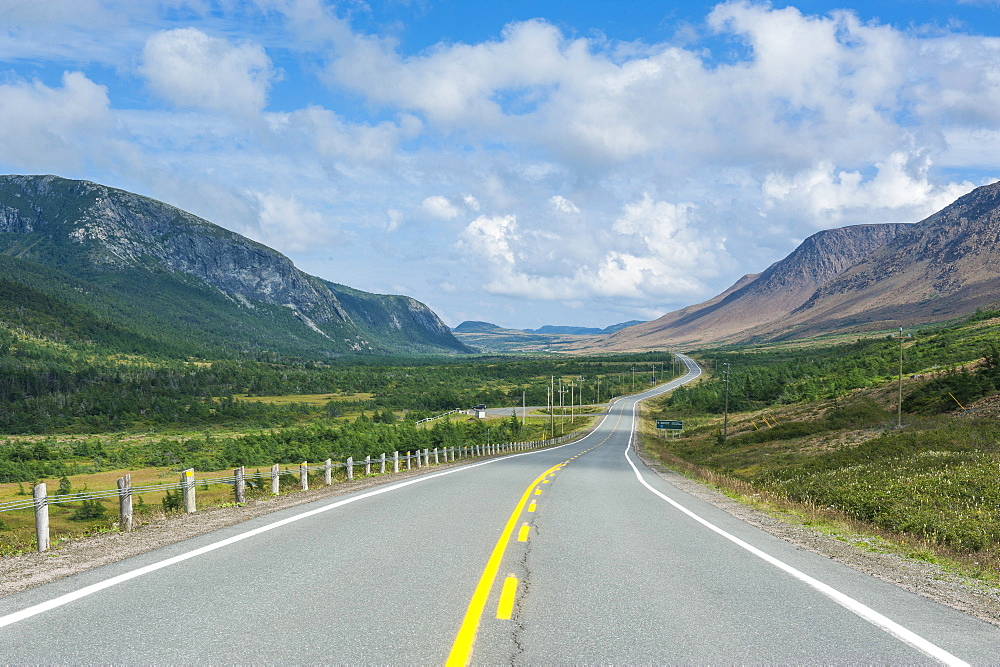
x=758, y=299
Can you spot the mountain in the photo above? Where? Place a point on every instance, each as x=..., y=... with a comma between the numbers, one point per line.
x=756, y=300
x=476, y=327
x=942, y=267
x=157, y=273
x=582, y=331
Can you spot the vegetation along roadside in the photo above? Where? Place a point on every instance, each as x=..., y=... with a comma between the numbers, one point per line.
x=812, y=433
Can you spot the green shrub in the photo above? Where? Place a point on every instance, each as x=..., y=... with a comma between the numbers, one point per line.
x=89, y=510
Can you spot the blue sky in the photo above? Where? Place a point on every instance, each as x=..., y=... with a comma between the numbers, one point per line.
x=524, y=163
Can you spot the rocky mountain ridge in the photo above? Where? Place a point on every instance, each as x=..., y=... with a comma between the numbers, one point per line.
x=757, y=300
x=95, y=232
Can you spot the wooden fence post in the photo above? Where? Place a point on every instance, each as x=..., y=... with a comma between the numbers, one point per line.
x=436, y=456
x=304, y=476
x=328, y=472
x=240, y=485
x=368, y=465
x=41, y=516
x=395, y=461
x=275, y=483
x=409, y=460
x=187, y=488
x=350, y=467
x=125, y=502
x=427, y=456
x=382, y=461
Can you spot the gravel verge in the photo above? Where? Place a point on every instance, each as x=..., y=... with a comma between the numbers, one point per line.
x=18, y=573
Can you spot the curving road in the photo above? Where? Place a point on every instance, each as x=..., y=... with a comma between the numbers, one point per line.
x=584, y=554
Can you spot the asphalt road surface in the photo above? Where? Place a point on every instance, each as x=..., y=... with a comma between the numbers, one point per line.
x=574, y=554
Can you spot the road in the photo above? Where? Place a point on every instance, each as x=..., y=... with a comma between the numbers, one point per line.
x=594, y=557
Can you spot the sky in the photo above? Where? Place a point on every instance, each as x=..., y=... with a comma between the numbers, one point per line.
x=519, y=162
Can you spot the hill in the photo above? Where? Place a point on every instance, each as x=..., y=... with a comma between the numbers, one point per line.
x=945, y=266
x=157, y=275
x=759, y=299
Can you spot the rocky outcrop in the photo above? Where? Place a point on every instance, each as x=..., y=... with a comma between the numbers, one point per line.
x=86, y=228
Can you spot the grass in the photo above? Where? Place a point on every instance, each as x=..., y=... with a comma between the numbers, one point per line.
x=928, y=491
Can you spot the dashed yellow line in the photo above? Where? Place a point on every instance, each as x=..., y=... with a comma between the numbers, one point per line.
x=461, y=650
x=505, y=609
x=522, y=533
x=531, y=507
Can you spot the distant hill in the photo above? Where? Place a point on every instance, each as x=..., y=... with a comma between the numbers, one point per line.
x=95, y=262
x=757, y=300
x=583, y=331
x=470, y=327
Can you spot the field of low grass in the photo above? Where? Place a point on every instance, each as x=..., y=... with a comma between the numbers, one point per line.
x=930, y=488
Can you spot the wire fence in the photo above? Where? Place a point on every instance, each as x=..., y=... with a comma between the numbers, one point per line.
x=186, y=485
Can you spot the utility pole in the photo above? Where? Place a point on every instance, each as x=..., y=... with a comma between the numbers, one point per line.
x=562, y=408
x=725, y=418
x=899, y=409
x=552, y=406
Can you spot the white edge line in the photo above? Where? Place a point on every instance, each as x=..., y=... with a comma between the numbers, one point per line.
x=859, y=608
x=56, y=602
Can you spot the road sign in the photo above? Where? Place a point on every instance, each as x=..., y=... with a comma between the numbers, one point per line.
x=670, y=424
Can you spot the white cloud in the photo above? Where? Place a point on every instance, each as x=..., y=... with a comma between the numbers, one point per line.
x=191, y=69
x=288, y=225
x=45, y=129
x=491, y=238
x=471, y=203
x=439, y=207
x=824, y=197
x=563, y=205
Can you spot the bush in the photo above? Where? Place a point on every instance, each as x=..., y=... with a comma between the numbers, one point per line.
x=172, y=501
x=89, y=509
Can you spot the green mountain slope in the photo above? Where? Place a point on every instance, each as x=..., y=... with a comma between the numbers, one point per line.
x=158, y=276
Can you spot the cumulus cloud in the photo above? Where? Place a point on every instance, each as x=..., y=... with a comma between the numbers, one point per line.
x=44, y=129
x=899, y=191
x=439, y=207
x=287, y=224
x=655, y=251
x=191, y=69
x=563, y=205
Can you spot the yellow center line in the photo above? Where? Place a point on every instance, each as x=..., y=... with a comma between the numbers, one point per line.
x=461, y=650
x=505, y=609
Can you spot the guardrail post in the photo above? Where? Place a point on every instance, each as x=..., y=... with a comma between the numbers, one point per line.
x=350, y=467
x=368, y=465
x=240, y=485
x=304, y=475
x=419, y=458
x=41, y=516
x=436, y=456
x=328, y=472
x=409, y=460
x=395, y=461
x=427, y=456
x=275, y=483
x=382, y=461
x=187, y=488
x=125, y=502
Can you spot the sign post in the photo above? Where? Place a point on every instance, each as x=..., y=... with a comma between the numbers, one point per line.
x=673, y=425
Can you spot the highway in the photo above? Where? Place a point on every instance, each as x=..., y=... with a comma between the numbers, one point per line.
x=574, y=554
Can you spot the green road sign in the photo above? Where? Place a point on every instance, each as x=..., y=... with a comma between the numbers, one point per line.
x=670, y=424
